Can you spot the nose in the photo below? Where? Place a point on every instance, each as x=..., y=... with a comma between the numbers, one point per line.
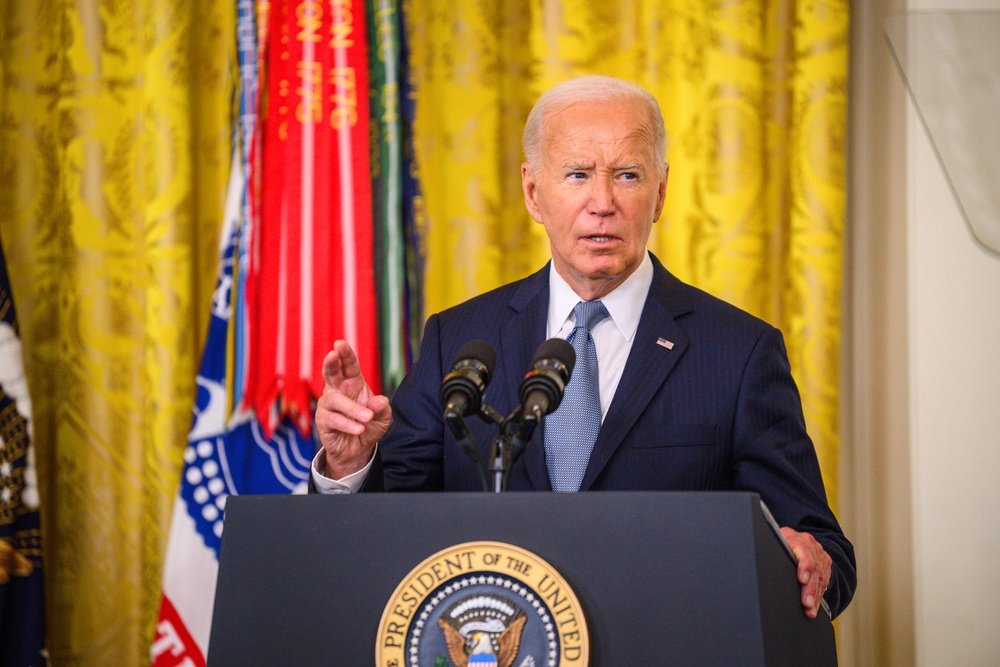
x=602, y=196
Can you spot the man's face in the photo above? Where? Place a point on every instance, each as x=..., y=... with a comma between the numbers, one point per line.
x=598, y=191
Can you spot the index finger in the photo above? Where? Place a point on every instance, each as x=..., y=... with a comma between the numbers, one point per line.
x=340, y=364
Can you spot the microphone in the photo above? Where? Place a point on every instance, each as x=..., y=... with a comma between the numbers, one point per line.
x=542, y=388
x=462, y=389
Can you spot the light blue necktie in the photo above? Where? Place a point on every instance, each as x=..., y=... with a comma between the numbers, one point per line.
x=571, y=431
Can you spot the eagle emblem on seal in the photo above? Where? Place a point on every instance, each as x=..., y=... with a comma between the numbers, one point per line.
x=483, y=631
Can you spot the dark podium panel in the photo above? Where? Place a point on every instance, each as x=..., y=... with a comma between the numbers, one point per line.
x=663, y=578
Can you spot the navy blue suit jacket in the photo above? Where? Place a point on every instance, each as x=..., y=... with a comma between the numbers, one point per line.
x=718, y=411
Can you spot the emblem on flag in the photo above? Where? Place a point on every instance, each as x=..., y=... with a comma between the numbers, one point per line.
x=22, y=594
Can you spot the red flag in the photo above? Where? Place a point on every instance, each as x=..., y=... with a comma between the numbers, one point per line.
x=311, y=279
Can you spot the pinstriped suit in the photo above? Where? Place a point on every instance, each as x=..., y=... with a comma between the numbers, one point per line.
x=719, y=411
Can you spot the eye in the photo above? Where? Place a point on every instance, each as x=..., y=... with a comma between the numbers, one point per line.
x=576, y=175
x=629, y=176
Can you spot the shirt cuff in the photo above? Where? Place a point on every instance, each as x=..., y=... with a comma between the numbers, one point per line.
x=350, y=484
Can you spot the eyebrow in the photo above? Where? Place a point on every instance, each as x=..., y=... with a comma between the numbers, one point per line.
x=580, y=166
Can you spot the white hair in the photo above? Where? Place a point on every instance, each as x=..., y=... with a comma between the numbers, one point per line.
x=591, y=89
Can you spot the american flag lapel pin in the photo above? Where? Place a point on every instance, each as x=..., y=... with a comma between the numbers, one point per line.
x=663, y=342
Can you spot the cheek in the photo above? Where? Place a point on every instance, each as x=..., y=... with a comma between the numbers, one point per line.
x=568, y=200
x=643, y=213
x=560, y=235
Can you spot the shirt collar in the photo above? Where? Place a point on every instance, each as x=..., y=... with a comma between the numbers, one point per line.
x=624, y=303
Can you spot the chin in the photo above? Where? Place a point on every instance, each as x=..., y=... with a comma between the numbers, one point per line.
x=606, y=270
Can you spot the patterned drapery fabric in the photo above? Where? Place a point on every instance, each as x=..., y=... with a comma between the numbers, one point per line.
x=754, y=95
x=114, y=149
x=115, y=126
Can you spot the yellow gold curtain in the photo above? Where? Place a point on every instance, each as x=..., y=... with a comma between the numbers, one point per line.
x=754, y=98
x=114, y=150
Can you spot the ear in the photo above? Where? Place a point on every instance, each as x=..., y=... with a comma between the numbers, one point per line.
x=662, y=192
x=530, y=187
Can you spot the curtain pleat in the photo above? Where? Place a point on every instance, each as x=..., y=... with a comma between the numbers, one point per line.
x=114, y=142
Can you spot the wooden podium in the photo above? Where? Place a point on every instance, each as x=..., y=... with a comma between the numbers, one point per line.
x=663, y=578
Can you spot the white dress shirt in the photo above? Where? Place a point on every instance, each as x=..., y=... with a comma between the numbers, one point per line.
x=613, y=335
x=613, y=338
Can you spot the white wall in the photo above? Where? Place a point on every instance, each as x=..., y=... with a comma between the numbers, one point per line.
x=955, y=424
x=921, y=435
x=954, y=332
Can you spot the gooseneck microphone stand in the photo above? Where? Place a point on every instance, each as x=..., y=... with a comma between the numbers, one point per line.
x=506, y=447
x=540, y=392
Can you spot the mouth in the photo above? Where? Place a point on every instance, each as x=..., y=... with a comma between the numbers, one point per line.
x=598, y=238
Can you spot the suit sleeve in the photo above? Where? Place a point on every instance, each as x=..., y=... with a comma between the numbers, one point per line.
x=411, y=454
x=774, y=457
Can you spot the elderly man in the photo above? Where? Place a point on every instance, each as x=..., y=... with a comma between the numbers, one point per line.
x=686, y=392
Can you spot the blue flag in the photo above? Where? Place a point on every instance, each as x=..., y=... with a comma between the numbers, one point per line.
x=22, y=595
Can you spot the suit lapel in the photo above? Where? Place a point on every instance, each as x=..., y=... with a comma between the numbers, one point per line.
x=520, y=336
x=647, y=368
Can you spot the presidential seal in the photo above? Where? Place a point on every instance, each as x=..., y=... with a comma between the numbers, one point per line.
x=483, y=604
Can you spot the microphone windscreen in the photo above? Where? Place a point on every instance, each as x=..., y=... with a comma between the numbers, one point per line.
x=558, y=349
x=479, y=350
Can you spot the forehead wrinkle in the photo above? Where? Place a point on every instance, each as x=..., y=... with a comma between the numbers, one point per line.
x=612, y=155
x=622, y=161
x=643, y=134
x=625, y=150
